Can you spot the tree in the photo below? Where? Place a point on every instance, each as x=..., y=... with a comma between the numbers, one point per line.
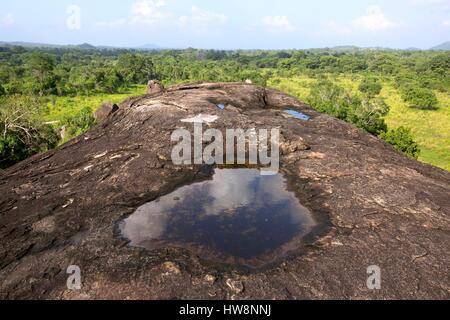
x=403, y=141
x=112, y=81
x=440, y=64
x=82, y=80
x=135, y=68
x=41, y=67
x=383, y=63
x=22, y=134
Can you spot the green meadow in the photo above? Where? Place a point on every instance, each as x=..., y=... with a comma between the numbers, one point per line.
x=430, y=128
x=58, y=108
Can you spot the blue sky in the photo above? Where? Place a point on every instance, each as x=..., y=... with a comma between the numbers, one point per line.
x=228, y=24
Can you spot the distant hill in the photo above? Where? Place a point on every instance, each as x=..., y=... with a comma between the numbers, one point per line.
x=28, y=44
x=83, y=46
x=350, y=49
x=86, y=46
x=149, y=46
x=443, y=46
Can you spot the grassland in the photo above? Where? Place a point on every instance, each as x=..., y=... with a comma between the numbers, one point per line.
x=58, y=108
x=431, y=129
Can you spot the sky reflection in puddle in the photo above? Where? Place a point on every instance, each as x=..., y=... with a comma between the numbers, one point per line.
x=239, y=216
x=297, y=115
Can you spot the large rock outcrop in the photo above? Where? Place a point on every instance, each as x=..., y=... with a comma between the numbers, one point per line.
x=105, y=110
x=379, y=208
x=155, y=86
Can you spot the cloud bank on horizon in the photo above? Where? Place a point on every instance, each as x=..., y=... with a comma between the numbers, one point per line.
x=230, y=24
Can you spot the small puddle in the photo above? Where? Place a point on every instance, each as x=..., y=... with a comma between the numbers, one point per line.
x=297, y=114
x=238, y=217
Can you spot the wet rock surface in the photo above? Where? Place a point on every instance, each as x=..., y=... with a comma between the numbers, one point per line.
x=380, y=208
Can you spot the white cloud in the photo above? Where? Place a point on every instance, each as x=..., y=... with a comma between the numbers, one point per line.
x=147, y=12
x=7, y=20
x=278, y=24
x=228, y=191
x=446, y=23
x=200, y=18
x=142, y=12
x=156, y=13
x=373, y=20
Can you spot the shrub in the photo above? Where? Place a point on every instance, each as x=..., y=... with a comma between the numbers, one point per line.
x=79, y=123
x=329, y=98
x=420, y=98
x=403, y=141
x=22, y=134
x=370, y=86
x=365, y=113
x=368, y=114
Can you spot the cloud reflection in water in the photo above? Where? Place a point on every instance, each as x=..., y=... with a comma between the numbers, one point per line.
x=239, y=213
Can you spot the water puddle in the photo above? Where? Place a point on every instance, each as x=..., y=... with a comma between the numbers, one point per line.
x=238, y=217
x=297, y=114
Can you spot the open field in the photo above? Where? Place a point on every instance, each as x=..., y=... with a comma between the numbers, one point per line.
x=60, y=107
x=431, y=129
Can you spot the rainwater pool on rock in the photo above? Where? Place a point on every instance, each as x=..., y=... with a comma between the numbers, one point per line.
x=297, y=114
x=237, y=217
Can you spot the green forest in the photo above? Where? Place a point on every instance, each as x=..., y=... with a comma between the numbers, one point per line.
x=403, y=97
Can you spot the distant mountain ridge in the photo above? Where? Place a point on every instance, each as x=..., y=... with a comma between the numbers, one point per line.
x=46, y=45
x=150, y=46
x=28, y=44
x=442, y=46
x=83, y=46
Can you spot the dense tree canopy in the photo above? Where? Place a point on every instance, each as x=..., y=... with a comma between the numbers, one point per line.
x=75, y=71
